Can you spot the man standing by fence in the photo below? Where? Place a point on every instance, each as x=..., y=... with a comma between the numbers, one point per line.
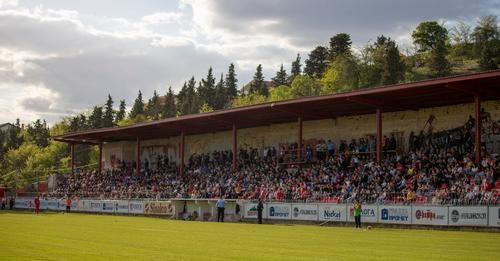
x=260, y=207
x=357, y=214
x=221, y=205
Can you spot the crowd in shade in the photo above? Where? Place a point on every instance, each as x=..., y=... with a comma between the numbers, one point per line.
x=438, y=168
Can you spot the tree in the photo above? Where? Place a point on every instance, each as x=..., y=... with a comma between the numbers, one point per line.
x=258, y=85
x=340, y=44
x=279, y=93
x=38, y=133
x=206, y=91
x=188, y=100
x=205, y=108
x=95, y=118
x=304, y=85
x=342, y=75
x=431, y=37
x=250, y=99
x=153, y=108
x=487, y=42
x=393, y=66
x=231, y=84
x=13, y=137
x=138, y=107
x=296, y=69
x=169, y=107
x=220, y=98
x=317, y=62
x=280, y=78
x=120, y=115
x=107, y=120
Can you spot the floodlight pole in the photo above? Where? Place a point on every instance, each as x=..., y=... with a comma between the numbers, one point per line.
x=477, y=107
x=235, y=147
x=379, y=134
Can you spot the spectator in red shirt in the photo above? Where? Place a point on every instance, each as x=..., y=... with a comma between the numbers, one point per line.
x=37, y=204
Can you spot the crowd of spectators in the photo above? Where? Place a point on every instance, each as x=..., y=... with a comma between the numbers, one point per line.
x=439, y=168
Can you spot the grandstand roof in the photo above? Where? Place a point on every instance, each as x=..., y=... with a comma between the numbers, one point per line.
x=398, y=97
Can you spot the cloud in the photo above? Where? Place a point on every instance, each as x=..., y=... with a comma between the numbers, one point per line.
x=66, y=56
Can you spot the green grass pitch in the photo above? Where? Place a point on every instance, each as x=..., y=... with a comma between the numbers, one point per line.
x=57, y=236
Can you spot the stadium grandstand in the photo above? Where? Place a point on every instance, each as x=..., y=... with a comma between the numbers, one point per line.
x=434, y=141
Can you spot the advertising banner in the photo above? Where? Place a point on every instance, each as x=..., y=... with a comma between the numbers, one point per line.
x=84, y=205
x=251, y=210
x=332, y=212
x=52, y=204
x=121, y=206
x=279, y=211
x=430, y=215
x=95, y=205
x=305, y=212
x=108, y=206
x=368, y=213
x=494, y=216
x=394, y=214
x=468, y=216
x=136, y=207
x=158, y=208
x=24, y=203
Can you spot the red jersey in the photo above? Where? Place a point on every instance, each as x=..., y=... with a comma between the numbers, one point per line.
x=37, y=202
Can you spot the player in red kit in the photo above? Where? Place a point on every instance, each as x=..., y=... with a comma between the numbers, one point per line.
x=37, y=204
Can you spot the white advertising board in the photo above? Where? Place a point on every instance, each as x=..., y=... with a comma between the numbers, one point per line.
x=84, y=205
x=468, y=216
x=494, y=216
x=121, y=206
x=108, y=206
x=136, y=207
x=394, y=214
x=279, y=210
x=430, y=215
x=332, y=212
x=95, y=205
x=250, y=210
x=369, y=213
x=24, y=203
x=305, y=212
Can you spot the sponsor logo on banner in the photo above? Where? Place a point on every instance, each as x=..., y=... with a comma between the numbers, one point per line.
x=108, y=206
x=456, y=215
x=332, y=212
x=366, y=212
x=471, y=216
x=251, y=211
x=136, y=207
x=427, y=215
x=395, y=214
x=305, y=211
x=159, y=208
x=279, y=211
x=121, y=206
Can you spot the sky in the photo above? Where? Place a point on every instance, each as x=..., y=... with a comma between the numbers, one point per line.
x=59, y=57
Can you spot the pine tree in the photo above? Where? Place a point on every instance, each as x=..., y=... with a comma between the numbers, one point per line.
x=95, y=119
x=39, y=133
x=206, y=91
x=317, y=62
x=153, y=109
x=107, y=120
x=393, y=67
x=280, y=78
x=258, y=85
x=138, y=107
x=296, y=69
x=120, y=115
x=231, y=84
x=340, y=44
x=220, y=94
x=169, y=107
